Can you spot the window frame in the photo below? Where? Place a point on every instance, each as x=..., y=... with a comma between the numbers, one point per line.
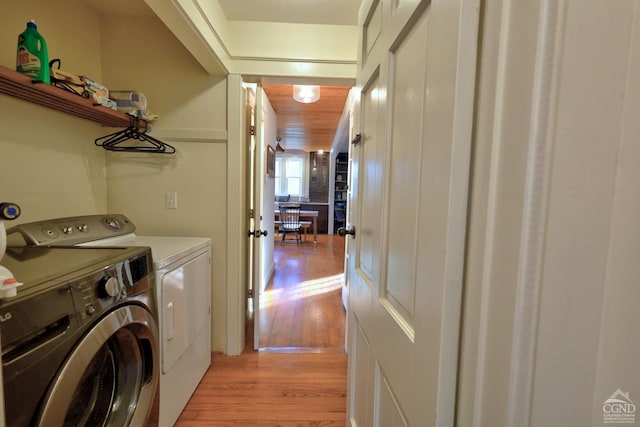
x=280, y=184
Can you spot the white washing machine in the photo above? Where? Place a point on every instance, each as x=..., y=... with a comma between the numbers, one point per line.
x=182, y=267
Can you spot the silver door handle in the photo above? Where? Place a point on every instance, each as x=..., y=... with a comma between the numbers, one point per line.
x=342, y=231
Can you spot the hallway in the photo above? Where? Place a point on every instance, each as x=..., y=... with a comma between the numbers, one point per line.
x=299, y=378
x=302, y=304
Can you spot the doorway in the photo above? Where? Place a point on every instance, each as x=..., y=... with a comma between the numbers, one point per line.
x=300, y=306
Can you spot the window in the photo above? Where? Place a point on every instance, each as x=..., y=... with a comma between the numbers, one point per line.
x=290, y=172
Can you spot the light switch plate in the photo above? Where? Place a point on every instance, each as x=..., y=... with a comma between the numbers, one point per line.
x=172, y=200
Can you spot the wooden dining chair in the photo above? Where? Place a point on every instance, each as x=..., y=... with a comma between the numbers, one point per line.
x=290, y=219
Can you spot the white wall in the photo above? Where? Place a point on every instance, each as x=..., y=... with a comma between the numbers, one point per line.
x=192, y=106
x=48, y=163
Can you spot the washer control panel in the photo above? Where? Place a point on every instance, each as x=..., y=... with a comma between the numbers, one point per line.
x=123, y=280
x=73, y=230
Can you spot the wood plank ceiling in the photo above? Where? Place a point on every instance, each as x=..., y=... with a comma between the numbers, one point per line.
x=308, y=127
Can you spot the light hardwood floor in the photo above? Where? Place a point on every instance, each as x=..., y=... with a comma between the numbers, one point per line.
x=302, y=304
x=299, y=378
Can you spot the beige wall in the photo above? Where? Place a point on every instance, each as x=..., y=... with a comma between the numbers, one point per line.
x=191, y=105
x=300, y=41
x=50, y=166
x=74, y=38
x=48, y=163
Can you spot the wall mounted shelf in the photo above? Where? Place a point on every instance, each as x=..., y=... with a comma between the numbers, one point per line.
x=20, y=86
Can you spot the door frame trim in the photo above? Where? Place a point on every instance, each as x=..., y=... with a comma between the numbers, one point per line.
x=236, y=218
x=454, y=269
x=534, y=222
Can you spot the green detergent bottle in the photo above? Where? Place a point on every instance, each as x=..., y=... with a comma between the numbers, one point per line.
x=33, y=58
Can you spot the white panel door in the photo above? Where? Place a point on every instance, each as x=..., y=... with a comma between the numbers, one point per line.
x=408, y=199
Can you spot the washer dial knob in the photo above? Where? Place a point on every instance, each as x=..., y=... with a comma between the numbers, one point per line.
x=108, y=287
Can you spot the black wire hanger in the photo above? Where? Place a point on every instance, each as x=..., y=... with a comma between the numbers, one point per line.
x=115, y=141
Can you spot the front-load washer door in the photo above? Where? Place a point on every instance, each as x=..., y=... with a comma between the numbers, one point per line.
x=111, y=377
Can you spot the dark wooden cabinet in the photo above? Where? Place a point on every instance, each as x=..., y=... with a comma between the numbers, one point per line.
x=323, y=215
x=319, y=177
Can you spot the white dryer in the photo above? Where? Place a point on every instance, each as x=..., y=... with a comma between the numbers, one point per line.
x=182, y=267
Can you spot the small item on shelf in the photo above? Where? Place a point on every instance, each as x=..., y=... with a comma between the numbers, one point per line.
x=32, y=57
x=134, y=103
x=101, y=100
x=98, y=92
x=65, y=80
x=94, y=87
x=56, y=72
x=81, y=85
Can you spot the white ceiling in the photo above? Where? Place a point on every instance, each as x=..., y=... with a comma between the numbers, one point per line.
x=336, y=12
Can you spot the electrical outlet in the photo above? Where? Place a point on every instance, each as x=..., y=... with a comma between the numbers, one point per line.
x=172, y=200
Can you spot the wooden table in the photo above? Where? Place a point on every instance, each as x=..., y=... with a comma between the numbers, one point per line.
x=305, y=214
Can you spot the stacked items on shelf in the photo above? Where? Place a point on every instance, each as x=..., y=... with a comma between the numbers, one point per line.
x=134, y=103
x=69, y=101
x=98, y=92
x=81, y=85
x=127, y=101
x=340, y=191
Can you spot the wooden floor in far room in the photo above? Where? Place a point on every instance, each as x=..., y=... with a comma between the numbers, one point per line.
x=299, y=378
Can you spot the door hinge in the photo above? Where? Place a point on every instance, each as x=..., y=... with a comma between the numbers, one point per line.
x=250, y=293
x=252, y=130
x=252, y=214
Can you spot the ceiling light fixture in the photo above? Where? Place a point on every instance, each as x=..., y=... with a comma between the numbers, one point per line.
x=278, y=146
x=306, y=94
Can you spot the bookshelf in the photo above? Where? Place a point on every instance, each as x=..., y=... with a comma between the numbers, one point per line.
x=340, y=191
